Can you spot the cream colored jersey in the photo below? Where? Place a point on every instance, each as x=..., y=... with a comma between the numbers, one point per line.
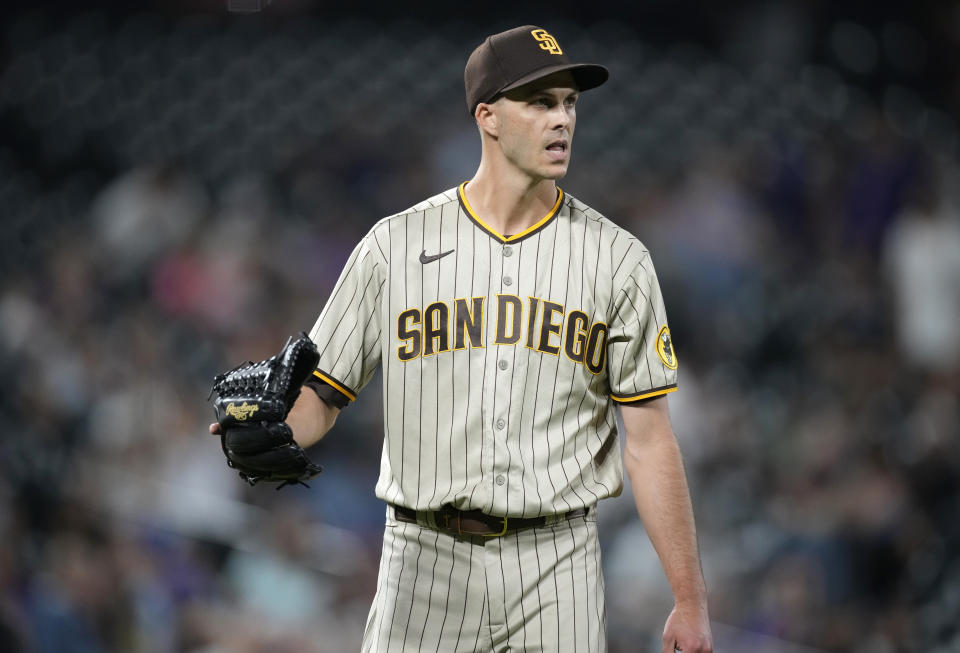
x=503, y=355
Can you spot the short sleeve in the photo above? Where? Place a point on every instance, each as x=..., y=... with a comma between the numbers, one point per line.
x=641, y=363
x=347, y=333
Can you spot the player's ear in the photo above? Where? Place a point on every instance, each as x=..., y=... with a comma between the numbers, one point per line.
x=486, y=118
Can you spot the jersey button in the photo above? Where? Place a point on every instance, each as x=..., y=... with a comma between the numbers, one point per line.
x=500, y=424
x=502, y=365
x=507, y=281
x=507, y=250
x=500, y=479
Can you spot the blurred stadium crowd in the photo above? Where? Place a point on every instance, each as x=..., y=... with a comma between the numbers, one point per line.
x=179, y=194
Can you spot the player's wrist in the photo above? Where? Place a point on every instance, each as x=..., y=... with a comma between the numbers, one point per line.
x=696, y=600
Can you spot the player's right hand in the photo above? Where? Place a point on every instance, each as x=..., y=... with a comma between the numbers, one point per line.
x=215, y=428
x=688, y=629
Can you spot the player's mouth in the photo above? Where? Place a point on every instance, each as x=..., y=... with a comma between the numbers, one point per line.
x=557, y=150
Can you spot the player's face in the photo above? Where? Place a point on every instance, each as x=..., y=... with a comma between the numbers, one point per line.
x=535, y=125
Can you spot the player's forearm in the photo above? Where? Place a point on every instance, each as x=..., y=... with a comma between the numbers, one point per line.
x=663, y=501
x=311, y=418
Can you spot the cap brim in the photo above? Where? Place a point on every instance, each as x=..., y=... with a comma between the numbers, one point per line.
x=585, y=75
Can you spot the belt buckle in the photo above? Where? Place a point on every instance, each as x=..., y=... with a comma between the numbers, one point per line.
x=502, y=532
x=448, y=525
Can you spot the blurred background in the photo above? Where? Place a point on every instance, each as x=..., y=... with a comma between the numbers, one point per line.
x=181, y=182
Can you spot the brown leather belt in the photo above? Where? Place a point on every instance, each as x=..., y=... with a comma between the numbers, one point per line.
x=473, y=522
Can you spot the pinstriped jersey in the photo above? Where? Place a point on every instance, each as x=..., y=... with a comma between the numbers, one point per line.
x=503, y=356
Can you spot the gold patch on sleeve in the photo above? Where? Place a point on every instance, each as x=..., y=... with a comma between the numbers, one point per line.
x=665, y=348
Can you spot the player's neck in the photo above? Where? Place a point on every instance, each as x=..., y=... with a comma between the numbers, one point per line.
x=510, y=205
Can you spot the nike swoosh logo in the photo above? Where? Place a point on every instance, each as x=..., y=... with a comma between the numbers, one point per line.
x=433, y=257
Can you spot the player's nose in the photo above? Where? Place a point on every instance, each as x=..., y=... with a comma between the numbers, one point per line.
x=561, y=116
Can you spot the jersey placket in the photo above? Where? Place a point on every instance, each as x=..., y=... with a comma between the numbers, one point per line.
x=501, y=372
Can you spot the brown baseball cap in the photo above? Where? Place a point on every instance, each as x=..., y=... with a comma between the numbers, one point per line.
x=519, y=56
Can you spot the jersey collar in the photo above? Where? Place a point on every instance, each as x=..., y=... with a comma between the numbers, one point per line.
x=529, y=231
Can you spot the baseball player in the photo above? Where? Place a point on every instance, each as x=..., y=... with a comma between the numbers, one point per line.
x=509, y=319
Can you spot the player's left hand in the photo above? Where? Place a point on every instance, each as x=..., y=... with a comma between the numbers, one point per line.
x=252, y=403
x=688, y=630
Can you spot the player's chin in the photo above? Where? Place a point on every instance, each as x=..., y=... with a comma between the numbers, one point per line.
x=555, y=172
x=556, y=169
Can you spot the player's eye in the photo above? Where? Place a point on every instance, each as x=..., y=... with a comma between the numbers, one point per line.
x=541, y=102
x=571, y=101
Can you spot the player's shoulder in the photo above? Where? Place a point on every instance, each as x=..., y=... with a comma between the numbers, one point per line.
x=379, y=232
x=437, y=201
x=620, y=239
x=434, y=203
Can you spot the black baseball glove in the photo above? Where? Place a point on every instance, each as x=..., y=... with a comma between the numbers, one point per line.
x=252, y=402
